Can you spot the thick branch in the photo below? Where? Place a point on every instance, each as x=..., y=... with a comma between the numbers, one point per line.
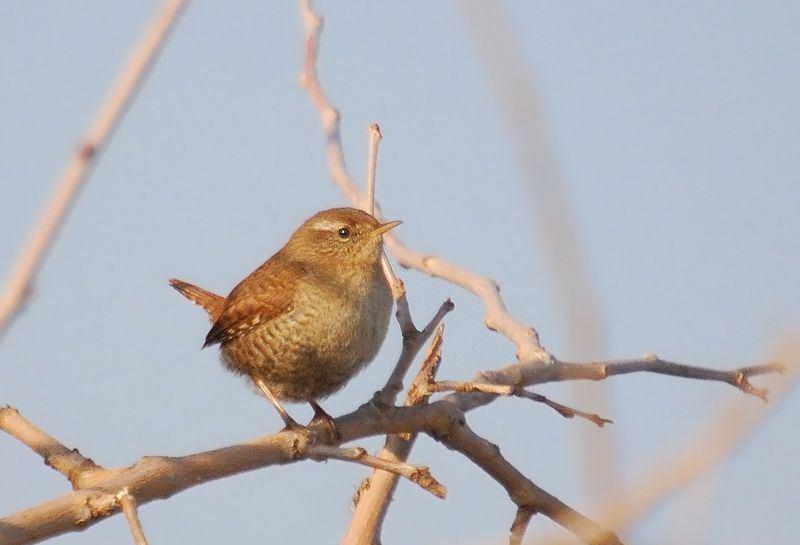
x=120, y=96
x=157, y=477
x=520, y=489
x=69, y=462
x=161, y=477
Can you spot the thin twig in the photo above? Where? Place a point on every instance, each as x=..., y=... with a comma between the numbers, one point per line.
x=72, y=178
x=511, y=391
x=650, y=363
x=129, y=508
x=522, y=375
x=420, y=475
x=520, y=525
x=372, y=497
x=412, y=344
x=396, y=285
x=375, y=137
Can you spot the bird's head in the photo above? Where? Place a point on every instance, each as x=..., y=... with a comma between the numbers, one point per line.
x=339, y=237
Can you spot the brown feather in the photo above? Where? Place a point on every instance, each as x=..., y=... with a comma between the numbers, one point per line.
x=263, y=296
x=211, y=302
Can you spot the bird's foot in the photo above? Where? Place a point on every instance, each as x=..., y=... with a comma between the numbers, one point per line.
x=321, y=418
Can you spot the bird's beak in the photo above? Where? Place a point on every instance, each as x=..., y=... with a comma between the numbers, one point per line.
x=382, y=228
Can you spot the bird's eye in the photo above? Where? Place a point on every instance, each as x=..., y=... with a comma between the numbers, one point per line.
x=344, y=233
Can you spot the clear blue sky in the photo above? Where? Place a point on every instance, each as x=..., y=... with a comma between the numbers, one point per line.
x=675, y=125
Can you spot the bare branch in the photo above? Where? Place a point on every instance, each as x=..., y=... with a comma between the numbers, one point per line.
x=564, y=410
x=520, y=525
x=72, y=178
x=511, y=391
x=420, y=475
x=520, y=375
x=156, y=477
x=555, y=224
x=375, y=492
x=496, y=317
x=709, y=446
x=375, y=137
x=520, y=489
x=652, y=364
x=130, y=510
x=68, y=462
x=412, y=344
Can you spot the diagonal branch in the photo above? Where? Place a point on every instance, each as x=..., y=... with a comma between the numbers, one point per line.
x=69, y=462
x=76, y=172
x=420, y=475
x=520, y=375
x=496, y=316
x=524, y=493
x=503, y=390
x=520, y=525
x=131, y=511
x=375, y=492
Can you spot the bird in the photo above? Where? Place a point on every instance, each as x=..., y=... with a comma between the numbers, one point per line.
x=311, y=317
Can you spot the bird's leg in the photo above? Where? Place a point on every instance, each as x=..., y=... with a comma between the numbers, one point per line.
x=321, y=417
x=291, y=423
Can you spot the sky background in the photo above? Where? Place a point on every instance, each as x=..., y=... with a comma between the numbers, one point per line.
x=675, y=125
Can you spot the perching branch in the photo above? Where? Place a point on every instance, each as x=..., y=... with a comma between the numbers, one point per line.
x=76, y=172
x=156, y=477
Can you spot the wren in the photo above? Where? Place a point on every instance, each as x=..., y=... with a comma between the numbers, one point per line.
x=311, y=317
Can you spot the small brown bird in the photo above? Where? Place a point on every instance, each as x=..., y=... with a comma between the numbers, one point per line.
x=311, y=317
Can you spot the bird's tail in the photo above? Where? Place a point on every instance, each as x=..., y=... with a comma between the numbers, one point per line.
x=211, y=302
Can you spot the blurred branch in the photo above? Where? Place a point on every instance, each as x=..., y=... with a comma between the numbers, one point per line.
x=20, y=281
x=558, y=232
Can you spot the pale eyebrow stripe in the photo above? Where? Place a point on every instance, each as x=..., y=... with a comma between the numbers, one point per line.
x=326, y=225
